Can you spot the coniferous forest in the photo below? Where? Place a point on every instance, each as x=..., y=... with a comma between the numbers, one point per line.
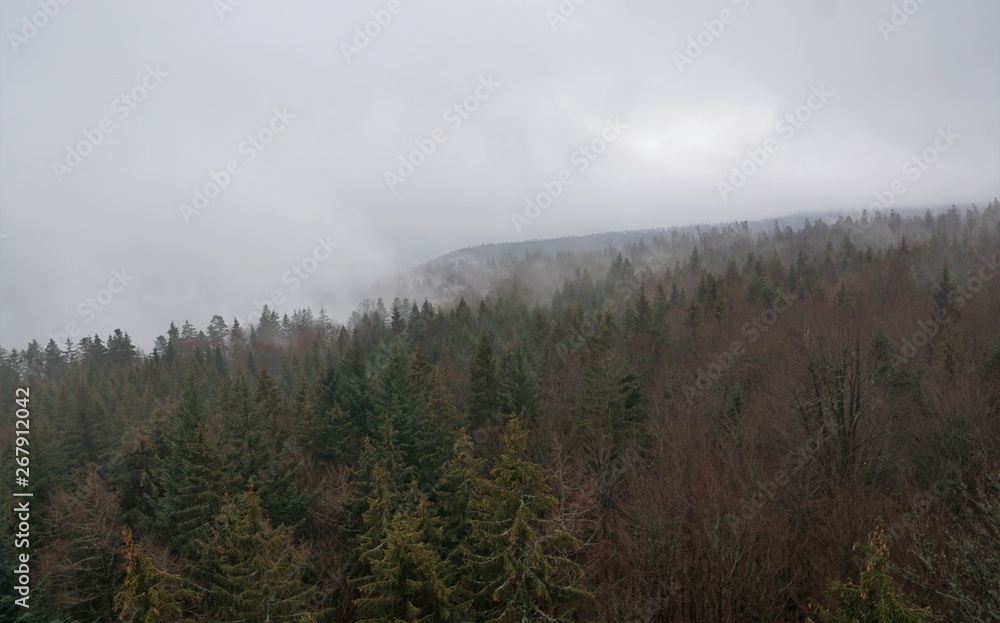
x=714, y=425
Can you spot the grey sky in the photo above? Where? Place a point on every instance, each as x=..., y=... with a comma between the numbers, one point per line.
x=219, y=76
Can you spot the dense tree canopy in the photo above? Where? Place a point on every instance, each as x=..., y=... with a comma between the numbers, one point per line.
x=699, y=438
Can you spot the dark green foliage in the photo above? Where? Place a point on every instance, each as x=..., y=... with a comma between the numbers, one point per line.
x=91, y=434
x=518, y=392
x=407, y=578
x=518, y=566
x=249, y=571
x=137, y=477
x=483, y=386
x=610, y=397
x=676, y=297
x=148, y=594
x=694, y=262
x=247, y=421
x=760, y=289
x=399, y=400
x=261, y=454
x=333, y=436
x=945, y=295
x=647, y=331
x=460, y=485
x=438, y=430
x=194, y=486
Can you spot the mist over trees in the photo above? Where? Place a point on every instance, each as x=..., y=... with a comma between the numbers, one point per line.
x=697, y=426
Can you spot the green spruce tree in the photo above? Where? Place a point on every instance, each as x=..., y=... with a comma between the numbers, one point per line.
x=251, y=572
x=483, y=387
x=875, y=598
x=407, y=578
x=519, y=563
x=148, y=594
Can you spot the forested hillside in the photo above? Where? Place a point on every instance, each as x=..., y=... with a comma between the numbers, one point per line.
x=716, y=425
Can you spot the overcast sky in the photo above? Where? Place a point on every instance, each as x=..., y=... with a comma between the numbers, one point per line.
x=116, y=116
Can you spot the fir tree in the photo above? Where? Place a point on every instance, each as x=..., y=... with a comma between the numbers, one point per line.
x=251, y=571
x=842, y=298
x=89, y=433
x=398, y=399
x=198, y=479
x=660, y=308
x=946, y=294
x=519, y=566
x=463, y=481
x=382, y=458
x=439, y=428
x=693, y=319
x=483, y=399
x=676, y=298
x=354, y=389
x=518, y=390
x=338, y=439
x=329, y=430
x=660, y=331
x=381, y=503
x=732, y=275
x=647, y=331
x=611, y=397
x=875, y=599
x=406, y=582
x=136, y=467
x=246, y=430
x=148, y=594
x=397, y=324
x=54, y=362
x=694, y=262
